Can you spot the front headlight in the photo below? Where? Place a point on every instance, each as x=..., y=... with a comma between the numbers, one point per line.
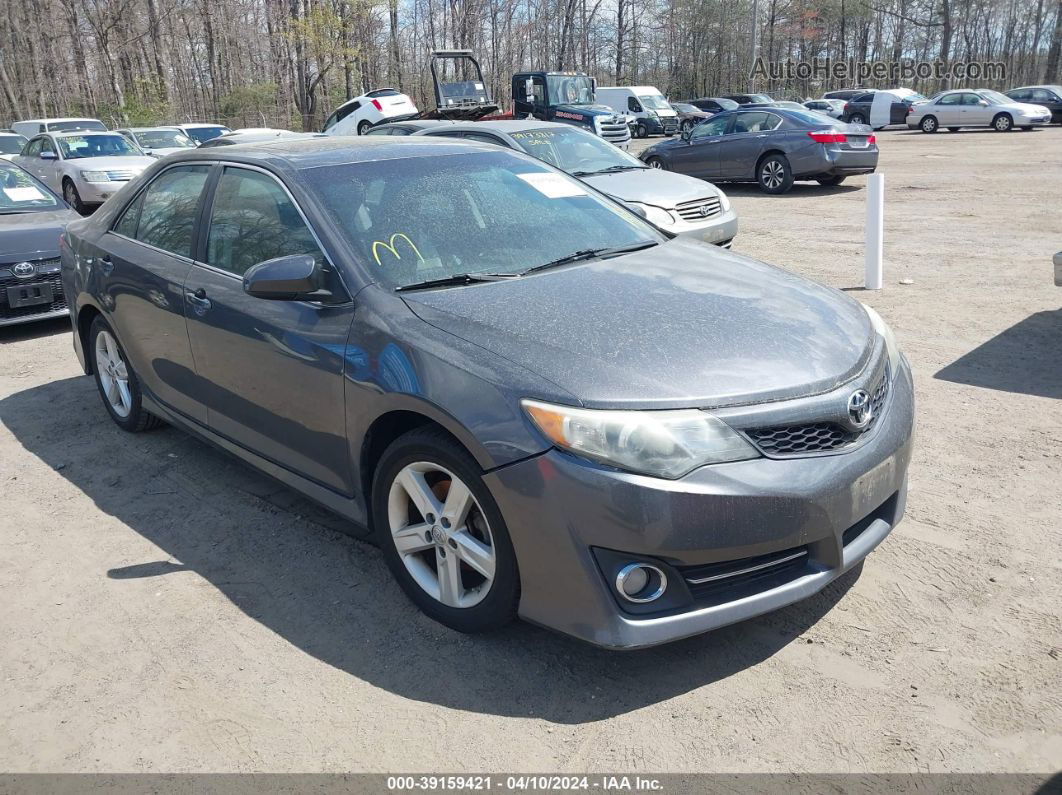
x=655, y=215
x=95, y=176
x=883, y=330
x=724, y=201
x=666, y=444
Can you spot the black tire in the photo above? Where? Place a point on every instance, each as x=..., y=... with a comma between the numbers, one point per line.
x=829, y=182
x=774, y=174
x=929, y=124
x=138, y=419
x=1003, y=122
x=953, y=129
x=656, y=162
x=72, y=197
x=435, y=446
x=857, y=118
x=364, y=127
x=641, y=131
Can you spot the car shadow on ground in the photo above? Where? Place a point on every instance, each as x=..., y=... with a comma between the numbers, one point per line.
x=1026, y=358
x=799, y=190
x=284, y=563
x=34, y=330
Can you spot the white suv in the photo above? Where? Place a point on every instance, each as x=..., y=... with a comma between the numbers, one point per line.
x=356, y=116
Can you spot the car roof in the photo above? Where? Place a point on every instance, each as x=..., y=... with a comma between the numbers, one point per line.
x=149, y=129
x=1052, y=86
x=422, y=124
x=50, y=121
x=202, y=124
x=333, y=150
x=79, y=133
x=509, y=125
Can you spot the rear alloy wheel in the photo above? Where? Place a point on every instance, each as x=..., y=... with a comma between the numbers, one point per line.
x=117, y=383
x=656, y=162
x=442, y=534
x=929, y=124
x=857, y=118
x=837, y=179
x=1003, y=123
x=687, y=126
x=364, y=127
x=72, y=197
x=775, y=175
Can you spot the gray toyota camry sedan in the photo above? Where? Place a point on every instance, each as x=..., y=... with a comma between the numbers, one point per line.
x=541, y=405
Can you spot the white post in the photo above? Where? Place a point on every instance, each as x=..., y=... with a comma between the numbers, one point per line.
x=875, y=231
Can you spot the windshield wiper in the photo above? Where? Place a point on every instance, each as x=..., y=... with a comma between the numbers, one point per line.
x=457, y=279
x=590, y=253
x=610, y=169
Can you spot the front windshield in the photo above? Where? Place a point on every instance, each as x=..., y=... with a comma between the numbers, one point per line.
x=576, y=151
x=77, y=147
x=654, y=102
x=163, y=139
x=19, y=192
x=570, y=89
x=77, y=124
x=204, y=134
x=994, y=97
x=416, y=219
x=683, y=108
x=11, y=144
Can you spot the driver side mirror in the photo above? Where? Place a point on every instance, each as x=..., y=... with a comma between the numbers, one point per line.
x=983, y=103
x=296, y=277
x=48, y=156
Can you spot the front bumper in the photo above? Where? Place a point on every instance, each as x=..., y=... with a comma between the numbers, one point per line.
x=98, y=192
x=559, y=509
x=717, y=230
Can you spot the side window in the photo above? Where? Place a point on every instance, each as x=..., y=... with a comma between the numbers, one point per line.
x=486, y=139
x=253, y=219
x=127, y=223
x=773, y=122
x=750, y=122
x=970, y=99
x=446, y=134
x=633, y=105
x=169, y=207
x=1042, y=95
x=33, y=148
x=706, y=129
x=47, y=145
x=950, y=99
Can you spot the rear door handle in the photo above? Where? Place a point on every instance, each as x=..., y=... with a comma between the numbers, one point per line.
x=200, y=303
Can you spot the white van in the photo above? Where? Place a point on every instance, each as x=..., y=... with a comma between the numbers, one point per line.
x=32, y=127
x=644, y=105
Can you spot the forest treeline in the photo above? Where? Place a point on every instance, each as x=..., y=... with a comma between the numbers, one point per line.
x=288, y=63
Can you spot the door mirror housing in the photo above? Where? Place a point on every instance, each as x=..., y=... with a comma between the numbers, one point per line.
x=983, y=103
x=48, y=156
x=297, y=277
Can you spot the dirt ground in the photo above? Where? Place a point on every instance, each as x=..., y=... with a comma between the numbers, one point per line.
x=166, y=609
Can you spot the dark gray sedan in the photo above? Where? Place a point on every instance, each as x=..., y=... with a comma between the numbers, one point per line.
x=540, y=404
x=773, y=147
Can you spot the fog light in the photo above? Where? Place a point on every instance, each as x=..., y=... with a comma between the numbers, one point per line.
x=640, y=582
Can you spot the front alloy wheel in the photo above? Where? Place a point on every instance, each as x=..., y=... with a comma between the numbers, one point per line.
x=72, y=197
x=441, y=534
x=1003, y=123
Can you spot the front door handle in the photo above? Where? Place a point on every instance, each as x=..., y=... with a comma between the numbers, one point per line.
x=200, y=303
x=106, y=266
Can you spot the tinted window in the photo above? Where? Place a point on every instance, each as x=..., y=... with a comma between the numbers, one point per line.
x=864, y=98
x=127, y=223
x=204, y=134
x=632, y=105
x=33, y=148
x=11, y=144
x=485, y=139
x=423, y=218
x=168, y=209
x=1042, y=95
x=380, y=131
x=20, y=192
x=252, y=220
x=751, y=122
x=716, y=126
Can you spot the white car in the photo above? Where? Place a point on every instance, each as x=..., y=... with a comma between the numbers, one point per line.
x=200, y=133
x=831, y=107
x=357, y=116
x=31, y=127
x=11, y=144
x=980, y=107
x=158, y=141
x=86, y=167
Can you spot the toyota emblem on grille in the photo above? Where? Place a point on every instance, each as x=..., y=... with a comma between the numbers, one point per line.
x=24, y=270
x=704, y=211
x=860, y=410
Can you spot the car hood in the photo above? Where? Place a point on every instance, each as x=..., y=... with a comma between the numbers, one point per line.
x=32, y=235
x=678, y=325
x=651, y=186
x=169, y=150
x=119, y=163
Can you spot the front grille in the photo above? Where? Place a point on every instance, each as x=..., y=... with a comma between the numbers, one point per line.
x=614, y=131
x=699, y=209
x=670, y=125
x=58, y=303
x=120, y=176
x=717, y=583
x=818, y=437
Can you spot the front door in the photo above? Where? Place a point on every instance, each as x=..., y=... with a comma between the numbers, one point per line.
x=699, y=156
x=974, y=113
x=270, y=372
x=741, y=147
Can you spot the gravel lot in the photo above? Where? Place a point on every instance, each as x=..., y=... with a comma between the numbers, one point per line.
x=167, y=609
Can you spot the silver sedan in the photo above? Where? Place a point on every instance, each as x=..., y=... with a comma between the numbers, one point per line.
x=980, y=107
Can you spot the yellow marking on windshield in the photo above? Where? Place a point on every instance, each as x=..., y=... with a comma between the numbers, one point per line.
x=390, y=246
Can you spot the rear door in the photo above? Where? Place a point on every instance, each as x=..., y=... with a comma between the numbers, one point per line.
x=699, y=157
x=269, y=372
x=142, y=262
